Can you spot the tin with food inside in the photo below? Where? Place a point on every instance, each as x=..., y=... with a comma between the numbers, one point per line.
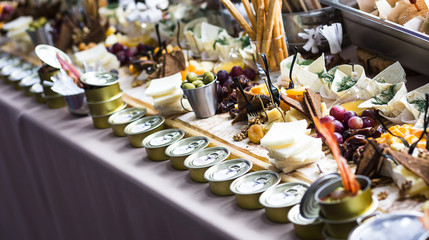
x=121, y=119
x=140, y=129
x=156, y=143
x=16, y=77
x=54, y=101
x=221, y=175
x=9, y=69
x=248, y=188
x=337, y=204
x=340, y=229
x=199, y=162
x=278, y=200
x=179, y=151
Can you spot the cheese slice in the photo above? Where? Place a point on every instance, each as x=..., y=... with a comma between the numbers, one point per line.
x=164, y=86
x=173, y=97
x=283, y=133
x=92, y=54
x=310, y=154
x=285, y=153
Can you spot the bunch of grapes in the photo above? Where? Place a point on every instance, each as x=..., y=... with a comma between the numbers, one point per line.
x=6, y=12
x=126, y=55
x=343, y=120
x=226, y=94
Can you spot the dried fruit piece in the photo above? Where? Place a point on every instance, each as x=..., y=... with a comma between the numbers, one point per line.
x=255, y=133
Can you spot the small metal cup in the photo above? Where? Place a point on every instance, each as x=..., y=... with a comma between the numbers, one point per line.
x=203, y=100
x=77, y=104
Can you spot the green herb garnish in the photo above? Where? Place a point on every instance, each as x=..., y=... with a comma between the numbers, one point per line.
x=385, y=96
x=328, y=76
x=346, y=83
x=380, y=80
x=420, y=104
x=245, y=41
x=306, y=62
x=112, y=5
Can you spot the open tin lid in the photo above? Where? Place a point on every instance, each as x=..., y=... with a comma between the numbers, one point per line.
x=309, y=208
x=48, y=55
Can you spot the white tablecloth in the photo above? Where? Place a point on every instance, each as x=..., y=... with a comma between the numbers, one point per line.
x=60, y=178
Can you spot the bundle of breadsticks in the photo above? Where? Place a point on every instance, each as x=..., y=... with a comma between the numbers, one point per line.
x=266, y=30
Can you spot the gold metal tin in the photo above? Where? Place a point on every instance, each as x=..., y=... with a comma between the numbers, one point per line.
x=340, y=229
x=54, y=101
x=46, y=72
x=27, y=82
x=103, y=93
x=221, y=175
x=98, y=79
x=349, y=207
x=248, y=188
x=101, y=121
x=179, y=151
x=156, y=143
x=119, y=120
x=37, y=91
x=305, y=229
x=16, y=77
x=199, y=162
x=8, y=70
x=140, y=129
x=278, y=200
x=103, y=108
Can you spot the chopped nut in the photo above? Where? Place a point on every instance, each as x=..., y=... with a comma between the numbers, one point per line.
x=239, y=137
x=382, y=195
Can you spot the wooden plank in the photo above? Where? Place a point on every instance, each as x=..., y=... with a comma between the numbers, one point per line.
x=259, y=163
x=134, y=102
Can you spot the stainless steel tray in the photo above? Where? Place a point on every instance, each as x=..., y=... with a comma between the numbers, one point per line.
x=386, y=38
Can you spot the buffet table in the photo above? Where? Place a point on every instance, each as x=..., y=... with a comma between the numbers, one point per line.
x=60, y=178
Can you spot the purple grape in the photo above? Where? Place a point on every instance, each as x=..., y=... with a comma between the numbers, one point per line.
x=368, y=122
x=326, y=119
x=347, y=116
x=228, y=83
x=122, y=57
x=7, y=9
x=117, y=47
x=129, y=53
x=368, y=113
x=236, y=71
x=337, y=112
x=222, y=76
x=355, y=122
x=339, y=137
x=110, y=49
x=250, y=73
x=141, y=48
x=338, y=126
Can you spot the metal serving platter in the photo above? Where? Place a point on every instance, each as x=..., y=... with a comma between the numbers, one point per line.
x=409, y=47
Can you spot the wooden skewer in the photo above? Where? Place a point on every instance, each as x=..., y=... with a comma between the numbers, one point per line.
x=250, y=13
x=236, y=14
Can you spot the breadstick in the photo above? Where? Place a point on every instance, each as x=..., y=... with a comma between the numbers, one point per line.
x=260, y=26
x=269, y=26
x=250, y=13
x=236, y=14
x=283, y=40
x=255, y=5
x=288, y=7
x=278, y=51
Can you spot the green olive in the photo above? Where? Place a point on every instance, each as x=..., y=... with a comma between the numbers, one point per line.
x=188, y=86
x=200, y=85
x=191, y=77
x=197, y=82
x=208, y=77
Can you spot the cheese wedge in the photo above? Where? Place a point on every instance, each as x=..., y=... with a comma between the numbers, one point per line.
x=285, y=153
x=310, y=154
x=164, y=86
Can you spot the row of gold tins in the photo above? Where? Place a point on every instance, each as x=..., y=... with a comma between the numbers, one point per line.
x=324, y=219
x=313, y=218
